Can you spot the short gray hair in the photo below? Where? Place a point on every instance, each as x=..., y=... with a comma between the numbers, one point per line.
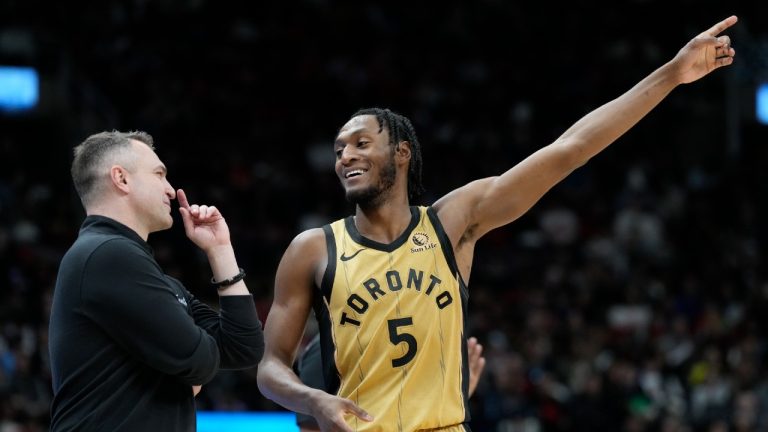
x=94, y=156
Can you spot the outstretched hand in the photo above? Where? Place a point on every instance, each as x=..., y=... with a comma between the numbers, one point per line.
x=706, y=52
x=203, y=224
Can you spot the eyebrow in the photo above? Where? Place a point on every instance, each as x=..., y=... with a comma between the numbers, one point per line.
x=350, y=133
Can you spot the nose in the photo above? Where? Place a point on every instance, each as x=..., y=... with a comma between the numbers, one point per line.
x=169, y=190
x=348, y=154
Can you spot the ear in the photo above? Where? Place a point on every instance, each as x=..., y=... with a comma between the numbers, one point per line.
x=119, y=178
x=403, y=151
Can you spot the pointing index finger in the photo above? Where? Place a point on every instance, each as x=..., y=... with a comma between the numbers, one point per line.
x=721, y=26
x=182, y=197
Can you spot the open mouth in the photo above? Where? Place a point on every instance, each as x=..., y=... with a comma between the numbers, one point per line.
x=354, y=173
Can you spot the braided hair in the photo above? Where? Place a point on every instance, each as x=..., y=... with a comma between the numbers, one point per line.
x=400, y=129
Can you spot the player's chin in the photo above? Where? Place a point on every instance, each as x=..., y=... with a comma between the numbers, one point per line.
x=354, y=194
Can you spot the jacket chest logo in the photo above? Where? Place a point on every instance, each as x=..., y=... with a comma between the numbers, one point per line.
x=181, y=299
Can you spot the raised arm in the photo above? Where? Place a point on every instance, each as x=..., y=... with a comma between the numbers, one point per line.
x=299, y=272
x=471, y=211
x=236, y=326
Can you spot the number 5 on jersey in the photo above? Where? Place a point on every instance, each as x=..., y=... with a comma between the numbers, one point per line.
x=397, y=338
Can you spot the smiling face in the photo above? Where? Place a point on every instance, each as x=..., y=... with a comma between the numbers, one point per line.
x=365, y=161
x=151, y=193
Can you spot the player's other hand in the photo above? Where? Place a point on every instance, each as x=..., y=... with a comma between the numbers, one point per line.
x=476, y=363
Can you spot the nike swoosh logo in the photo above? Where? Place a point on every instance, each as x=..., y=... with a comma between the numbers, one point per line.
x=347, y=258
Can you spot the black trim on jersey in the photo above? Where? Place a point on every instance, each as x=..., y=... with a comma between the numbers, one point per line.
x=330, y=373
x=447, y=247
x=445, y=243
x=464, y=352
x=330, y=269
x=349, y=223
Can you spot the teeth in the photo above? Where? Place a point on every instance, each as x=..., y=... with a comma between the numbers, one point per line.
x=354, y=172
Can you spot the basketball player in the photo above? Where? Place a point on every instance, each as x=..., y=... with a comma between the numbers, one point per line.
x=388, y=283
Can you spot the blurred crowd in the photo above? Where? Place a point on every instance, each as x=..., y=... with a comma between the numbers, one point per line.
x=633, y=297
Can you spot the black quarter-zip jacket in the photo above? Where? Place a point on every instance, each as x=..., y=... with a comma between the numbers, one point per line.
x=127, y=342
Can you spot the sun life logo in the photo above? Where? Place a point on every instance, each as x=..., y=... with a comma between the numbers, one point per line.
x=421, y=240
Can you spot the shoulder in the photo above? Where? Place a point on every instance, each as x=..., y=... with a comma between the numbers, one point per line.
x=113, y=258
x=462, y=196
x=112, y=249
x=308, y=247
x=309, y=239
x=457, y=209
x=102, y=248
x=115, y=264
x=303, y=262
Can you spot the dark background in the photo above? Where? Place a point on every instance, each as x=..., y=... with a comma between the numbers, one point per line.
x=632, y=297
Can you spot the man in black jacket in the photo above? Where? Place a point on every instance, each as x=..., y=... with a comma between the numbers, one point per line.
x=130, y=346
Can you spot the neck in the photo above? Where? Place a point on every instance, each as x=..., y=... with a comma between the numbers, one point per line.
x=120, y=213
x=384, y=223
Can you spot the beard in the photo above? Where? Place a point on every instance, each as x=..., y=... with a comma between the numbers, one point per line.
x=374, y=196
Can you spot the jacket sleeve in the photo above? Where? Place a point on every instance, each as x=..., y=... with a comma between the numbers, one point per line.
x=126, y=293
x=236, y=328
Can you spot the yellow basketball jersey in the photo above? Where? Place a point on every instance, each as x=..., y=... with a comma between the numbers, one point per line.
x=392, y=322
